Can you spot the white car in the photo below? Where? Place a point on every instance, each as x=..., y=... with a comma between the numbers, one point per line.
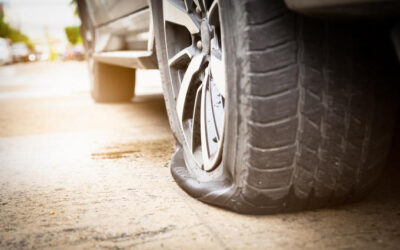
x=5, y=52
x=20, y=52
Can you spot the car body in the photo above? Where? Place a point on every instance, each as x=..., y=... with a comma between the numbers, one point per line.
x=20, y=52
x=275, y=105
x=121, y=26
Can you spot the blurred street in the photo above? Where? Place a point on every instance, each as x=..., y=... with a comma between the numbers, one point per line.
x=76, y=174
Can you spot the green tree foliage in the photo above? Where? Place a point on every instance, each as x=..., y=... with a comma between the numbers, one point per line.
x=73, y=34
x=6, y=31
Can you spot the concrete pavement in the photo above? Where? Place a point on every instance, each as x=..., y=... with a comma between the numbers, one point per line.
x=75, y=174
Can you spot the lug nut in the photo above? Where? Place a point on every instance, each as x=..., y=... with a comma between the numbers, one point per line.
x=199, y=45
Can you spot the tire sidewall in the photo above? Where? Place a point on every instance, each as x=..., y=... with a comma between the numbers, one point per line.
x=234, y=39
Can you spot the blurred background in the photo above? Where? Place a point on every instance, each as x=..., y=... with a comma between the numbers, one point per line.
x=47, y=33
x=39, y=31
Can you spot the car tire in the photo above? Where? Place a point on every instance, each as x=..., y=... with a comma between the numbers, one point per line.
x=108, y=83
x=310, y=109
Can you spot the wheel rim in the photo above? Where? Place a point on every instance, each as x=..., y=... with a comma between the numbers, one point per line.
x=197, y=71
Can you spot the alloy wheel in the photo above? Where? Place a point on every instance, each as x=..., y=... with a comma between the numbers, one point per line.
x=197, y=71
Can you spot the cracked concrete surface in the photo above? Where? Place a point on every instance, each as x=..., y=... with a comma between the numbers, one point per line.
x=75, y=174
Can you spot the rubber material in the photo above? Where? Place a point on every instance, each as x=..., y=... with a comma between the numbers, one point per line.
x=396, y=38
x=109, y=83
x=200, y=190
x=311, y=109
x=221, y=193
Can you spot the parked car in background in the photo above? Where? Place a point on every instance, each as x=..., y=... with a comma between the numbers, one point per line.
x=5, y=52
x=42, y=52
x=20, y=52
x=276, y=105
x=74, y=53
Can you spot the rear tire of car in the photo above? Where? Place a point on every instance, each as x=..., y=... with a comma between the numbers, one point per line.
x=112, y=83
x=108, y=83
x=310, y=110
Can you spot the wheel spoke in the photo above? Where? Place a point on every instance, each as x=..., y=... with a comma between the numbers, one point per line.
x=216, y=110
x=193, y=68
x=218, y=73
x=188, y=4
x=203, y=121
x=211, y=143
x=196, y=120
x=182, y=58
x=199, y=4
x=175, y=12
x=217, y=68
x=212, y=11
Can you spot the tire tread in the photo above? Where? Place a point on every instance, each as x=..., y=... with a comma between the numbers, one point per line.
x=311, y=124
